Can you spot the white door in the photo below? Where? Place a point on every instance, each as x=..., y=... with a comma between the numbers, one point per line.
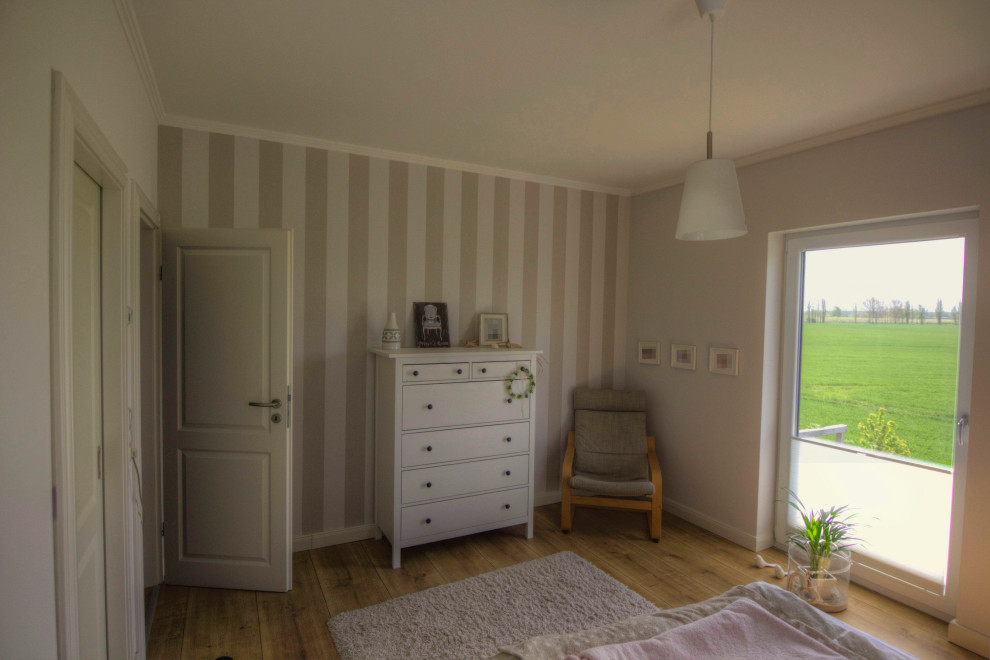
x=87, y=416
x=876, y=393
x=226, y=408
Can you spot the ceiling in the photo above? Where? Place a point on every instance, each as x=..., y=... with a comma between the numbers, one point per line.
x=612, y=93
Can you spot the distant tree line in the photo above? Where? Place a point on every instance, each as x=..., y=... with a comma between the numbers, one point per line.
x=879, y=311
x=815, y=314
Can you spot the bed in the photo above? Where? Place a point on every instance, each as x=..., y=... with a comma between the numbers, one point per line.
x=757, y=620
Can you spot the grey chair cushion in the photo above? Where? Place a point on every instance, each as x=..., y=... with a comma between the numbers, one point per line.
x=614, y=400
x=592, y=485
x=611, y=445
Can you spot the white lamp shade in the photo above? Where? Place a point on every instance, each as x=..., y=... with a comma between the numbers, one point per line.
x=711, y=207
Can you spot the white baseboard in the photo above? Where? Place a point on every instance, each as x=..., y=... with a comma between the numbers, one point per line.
x=333, y=537
x=361, y=532
x=764, y=541
x=969, y=639
x=703, y=520
x=748, y=541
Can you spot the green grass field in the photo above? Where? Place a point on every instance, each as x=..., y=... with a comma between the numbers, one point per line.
x=850, y=370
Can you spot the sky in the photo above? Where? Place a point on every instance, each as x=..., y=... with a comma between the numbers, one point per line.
x=919, y=272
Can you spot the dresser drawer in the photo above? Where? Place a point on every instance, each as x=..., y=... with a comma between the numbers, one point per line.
x=455, y=404
x=428, y=447
x=412, y=373
x=432, y=483
x=450, y=515
x=499, y=369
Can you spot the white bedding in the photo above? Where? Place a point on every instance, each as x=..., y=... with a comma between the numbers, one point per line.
x=836, y=636
x=742, y=631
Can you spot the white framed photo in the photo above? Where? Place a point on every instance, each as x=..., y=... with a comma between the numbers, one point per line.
x=649, y=352
x=723, y=361
x=493, y=329
x=683, y=356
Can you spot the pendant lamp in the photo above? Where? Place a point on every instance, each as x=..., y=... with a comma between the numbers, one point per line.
x=711, y=206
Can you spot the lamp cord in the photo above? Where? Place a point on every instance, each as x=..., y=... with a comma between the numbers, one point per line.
x=711, y=74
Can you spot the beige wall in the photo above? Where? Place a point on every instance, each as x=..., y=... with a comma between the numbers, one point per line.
x=373, y=236
x=716, y=449
x=85, y=41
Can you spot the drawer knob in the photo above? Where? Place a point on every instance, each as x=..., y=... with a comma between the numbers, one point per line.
x=460, y=371
x=428, y=521
x=415, y=373
x=508, y=400
x=508, y=506
x=429, y=484
x=429, y=406
x=509, y=439
x=508, y=472
x=484, y=370
x=429, y=447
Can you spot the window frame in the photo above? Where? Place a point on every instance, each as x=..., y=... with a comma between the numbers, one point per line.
x=880, y=576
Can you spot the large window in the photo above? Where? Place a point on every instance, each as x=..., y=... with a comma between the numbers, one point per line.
x=876, y=388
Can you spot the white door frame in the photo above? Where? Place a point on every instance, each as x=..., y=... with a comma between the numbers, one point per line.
x=927, y=226
x=76, y=138
x=143, y=216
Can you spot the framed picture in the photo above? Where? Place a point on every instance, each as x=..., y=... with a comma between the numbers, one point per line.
x=682, y=356
x=493, y=329
x=723, y=361
x=649, y=352
x=432, y=330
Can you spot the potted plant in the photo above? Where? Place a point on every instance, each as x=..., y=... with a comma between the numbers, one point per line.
x=818, y=555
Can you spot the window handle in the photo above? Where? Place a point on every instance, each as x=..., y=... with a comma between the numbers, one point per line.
x=961, y=424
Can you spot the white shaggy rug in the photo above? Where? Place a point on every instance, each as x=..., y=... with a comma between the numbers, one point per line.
x=473, y=617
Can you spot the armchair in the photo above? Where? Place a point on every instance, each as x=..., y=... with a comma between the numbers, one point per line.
x=609, y=461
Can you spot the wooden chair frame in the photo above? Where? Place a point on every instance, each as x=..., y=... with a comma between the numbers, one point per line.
x=653, y=506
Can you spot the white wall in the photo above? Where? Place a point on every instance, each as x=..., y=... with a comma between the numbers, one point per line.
x=716, y=448
x=85, y=41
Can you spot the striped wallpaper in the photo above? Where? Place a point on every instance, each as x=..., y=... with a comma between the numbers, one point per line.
x=374, y=235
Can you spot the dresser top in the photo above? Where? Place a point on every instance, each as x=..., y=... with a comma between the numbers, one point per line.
x=458, y=351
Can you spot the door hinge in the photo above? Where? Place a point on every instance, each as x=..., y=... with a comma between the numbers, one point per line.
x=99, y=462
x=54, y=503
x=161, y=272
x=163, y=528
x=130, y=316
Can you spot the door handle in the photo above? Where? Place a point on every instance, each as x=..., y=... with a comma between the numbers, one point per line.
x=276, y=403
x=961, y=424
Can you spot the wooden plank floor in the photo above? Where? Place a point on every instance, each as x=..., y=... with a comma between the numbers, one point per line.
x=688, y=565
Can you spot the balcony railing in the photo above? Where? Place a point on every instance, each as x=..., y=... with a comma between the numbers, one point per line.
x=838, y=430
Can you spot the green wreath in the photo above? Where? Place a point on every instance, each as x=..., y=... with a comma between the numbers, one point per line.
x=521, y=373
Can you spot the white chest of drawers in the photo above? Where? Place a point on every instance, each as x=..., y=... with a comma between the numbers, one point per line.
x=453, y=452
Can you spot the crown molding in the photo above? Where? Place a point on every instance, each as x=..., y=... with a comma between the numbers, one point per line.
x=374, y=152
x=132, y=30
x=890, y=121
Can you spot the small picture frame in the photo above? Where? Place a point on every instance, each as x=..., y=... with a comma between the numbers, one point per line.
x=683, y=356
x=493, y=329
x=649, y=352
x=432, y=330
x=723, y=361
